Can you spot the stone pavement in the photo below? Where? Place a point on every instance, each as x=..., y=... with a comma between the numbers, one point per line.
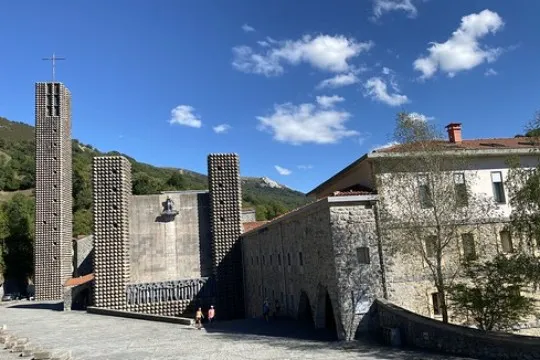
x=92, y=337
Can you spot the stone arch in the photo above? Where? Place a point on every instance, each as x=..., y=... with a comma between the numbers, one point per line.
x=305, y=313
x=325, y=317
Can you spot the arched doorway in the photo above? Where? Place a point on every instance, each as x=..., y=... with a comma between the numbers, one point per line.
x=305, y=314
x=325, y=318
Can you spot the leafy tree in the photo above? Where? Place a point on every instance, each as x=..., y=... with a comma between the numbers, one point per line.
x=491, y=294
x=144, y=184
x=425, y=216
x=177, y=181
x=19, y=242
x=82, y=222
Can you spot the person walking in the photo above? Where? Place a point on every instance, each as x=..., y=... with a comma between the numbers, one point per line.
x=198, y=318
x=211, y=314
x=266, y=310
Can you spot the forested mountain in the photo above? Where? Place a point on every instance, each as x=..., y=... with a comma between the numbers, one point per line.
x=17, y=174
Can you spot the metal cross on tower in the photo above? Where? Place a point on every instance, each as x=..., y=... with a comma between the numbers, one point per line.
x=53, y=59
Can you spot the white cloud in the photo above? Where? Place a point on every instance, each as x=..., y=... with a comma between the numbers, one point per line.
x=305, y=167
x=462, y=51
x=184, y=115
x=339, y=81
x=306, y=123
x=221, y=129
x=387, y=145
x=419, y=117
x=383, y=6
x=490, y=72
x=377, y=89
x=248, y=28
x=329, y=101
x=386, y=71
x=282, y=170
x=324, y=52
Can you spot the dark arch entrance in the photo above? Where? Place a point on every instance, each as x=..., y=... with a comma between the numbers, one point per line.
x=325, y=313
x=305, y=314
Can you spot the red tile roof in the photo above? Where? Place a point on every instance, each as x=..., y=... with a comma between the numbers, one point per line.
x=248, y=226
x=473, y=144
x=352, y=193
x=79, y=280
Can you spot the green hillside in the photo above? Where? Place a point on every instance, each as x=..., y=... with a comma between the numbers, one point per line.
x=17, y=174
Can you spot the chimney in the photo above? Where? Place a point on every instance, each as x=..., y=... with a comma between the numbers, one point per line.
x=454, y=132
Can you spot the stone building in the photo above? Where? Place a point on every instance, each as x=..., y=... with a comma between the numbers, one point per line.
x=343, y=242
x=53, y=224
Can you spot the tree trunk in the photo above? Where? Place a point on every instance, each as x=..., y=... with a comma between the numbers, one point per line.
x=442, y=291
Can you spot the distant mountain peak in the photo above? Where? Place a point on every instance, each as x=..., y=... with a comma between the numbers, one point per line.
x=266, y=181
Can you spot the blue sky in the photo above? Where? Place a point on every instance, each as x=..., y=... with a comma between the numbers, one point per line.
x=307, y=85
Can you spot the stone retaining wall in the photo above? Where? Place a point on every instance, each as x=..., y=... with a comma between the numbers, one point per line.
x=425, y=333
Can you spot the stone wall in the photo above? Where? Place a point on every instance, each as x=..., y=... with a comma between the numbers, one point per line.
x=359, y=281
x=249, y=215
x=309, y=255
x=53, y=252
x=422, y=332
x=84, y=253
x=170, y=247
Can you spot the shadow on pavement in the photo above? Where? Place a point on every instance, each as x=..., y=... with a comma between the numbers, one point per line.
x=294, y=336
x=40, y=306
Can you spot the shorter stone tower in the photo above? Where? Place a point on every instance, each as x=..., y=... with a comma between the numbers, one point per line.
x=111, y=195
x=226, y=224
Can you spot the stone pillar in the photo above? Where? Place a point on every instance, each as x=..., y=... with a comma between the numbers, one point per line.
x=226, y=224
x=53, y=250
x=111, y=196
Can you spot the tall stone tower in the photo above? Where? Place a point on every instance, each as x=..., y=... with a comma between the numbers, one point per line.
x=53, y=238
x=226, y=223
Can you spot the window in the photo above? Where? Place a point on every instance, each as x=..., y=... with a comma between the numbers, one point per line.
x=263, y=260
x=362, y=254
x=430, y=243
x=257, y=260
x=289, y=259
x=460, y=189
x=300, y=259
x=252, y=260
x=506, y=241
x=514, y=290
x=279, y=259
x=498, y=187
x=270, y=259
x=424, y=192
x=436, y=299
x=469, y=249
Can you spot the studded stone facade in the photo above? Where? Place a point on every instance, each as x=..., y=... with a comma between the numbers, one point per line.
x=226, y=223
x=111, y=195
x=53, y=227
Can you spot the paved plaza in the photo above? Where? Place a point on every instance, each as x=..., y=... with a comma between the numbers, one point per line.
x=90, y=336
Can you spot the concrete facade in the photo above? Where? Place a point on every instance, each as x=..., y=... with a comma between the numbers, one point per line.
x=308, y=260
x=170, y=248
x=112, y=197
x=53, y=225
x=226, y=224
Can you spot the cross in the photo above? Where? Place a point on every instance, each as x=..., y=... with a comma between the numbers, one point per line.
x=53, y=59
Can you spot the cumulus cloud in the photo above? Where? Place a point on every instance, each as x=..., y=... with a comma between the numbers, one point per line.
x=490, y=72
x=329, y=101
x=324, y=52
x=306, y=123
x=305, y=167
x=248, y=28
x=339, y=80
x=380, y=7
x=282, y=170
x=184, y=115
x=462, y=51
x=419, y=117
x=221, y=129
x=377, y=89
